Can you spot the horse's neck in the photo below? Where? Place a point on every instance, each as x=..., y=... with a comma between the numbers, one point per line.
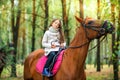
x=80, y=38
x=77, y=56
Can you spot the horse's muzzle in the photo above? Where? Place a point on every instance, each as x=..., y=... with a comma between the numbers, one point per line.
x=108, y=26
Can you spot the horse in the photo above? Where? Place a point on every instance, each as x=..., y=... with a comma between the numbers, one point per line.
x=72, y=66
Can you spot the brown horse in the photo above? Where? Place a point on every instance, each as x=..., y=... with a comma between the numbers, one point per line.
x=72, y=67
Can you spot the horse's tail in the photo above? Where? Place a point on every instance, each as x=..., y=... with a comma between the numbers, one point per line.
x=28, y=63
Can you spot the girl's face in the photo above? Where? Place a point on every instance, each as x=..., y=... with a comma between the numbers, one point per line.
x=56, y=24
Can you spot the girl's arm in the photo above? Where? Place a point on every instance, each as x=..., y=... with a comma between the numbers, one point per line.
x=63, y=44
x=45, y=41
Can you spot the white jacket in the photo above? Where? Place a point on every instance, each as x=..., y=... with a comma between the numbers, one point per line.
x=51, y=36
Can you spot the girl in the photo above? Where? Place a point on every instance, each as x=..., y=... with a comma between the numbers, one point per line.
x=53, y=39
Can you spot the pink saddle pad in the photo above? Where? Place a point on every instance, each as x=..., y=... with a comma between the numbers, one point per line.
x=41, y=62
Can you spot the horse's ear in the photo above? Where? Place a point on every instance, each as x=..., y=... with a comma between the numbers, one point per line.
x=78, y=19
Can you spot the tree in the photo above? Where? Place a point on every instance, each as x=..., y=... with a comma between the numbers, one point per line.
x=65, y=21
x=15, y=29
x=118, y=29
x=33, y=26
x=81, y=9
x=46, y=14
x=98, y=40
x=115, y=55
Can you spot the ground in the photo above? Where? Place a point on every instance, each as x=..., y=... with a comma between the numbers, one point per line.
x=106, y=73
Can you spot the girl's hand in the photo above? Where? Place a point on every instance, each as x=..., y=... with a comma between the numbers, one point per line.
x=53, y=46
x=62, y=45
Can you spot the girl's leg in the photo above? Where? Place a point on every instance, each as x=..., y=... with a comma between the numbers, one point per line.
x=50, y=58
x=46, y=70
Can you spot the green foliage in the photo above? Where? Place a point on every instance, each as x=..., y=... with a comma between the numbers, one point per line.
x=117, y=48
x=90, y=8
x=114, y=2
x=3, y=2
x=55, y=11
x=8, y=54
x=7, y=72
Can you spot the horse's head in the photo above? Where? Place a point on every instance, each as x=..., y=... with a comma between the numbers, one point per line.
x=95, y=28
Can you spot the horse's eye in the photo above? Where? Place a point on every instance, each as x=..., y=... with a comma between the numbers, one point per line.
x=90, y=22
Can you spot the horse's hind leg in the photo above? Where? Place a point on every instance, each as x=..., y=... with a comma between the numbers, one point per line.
x=27, y=74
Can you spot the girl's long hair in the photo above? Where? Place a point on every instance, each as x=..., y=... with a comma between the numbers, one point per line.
x=60, y=30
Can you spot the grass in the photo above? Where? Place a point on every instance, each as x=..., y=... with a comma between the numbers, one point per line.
x=106, y=73
x=6, y=73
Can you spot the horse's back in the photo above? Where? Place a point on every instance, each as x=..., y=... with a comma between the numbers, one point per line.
x=30, y=61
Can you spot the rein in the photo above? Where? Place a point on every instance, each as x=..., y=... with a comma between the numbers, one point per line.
x=79, y=45
x=97, y=43
x=86, y=44
x=95, y=29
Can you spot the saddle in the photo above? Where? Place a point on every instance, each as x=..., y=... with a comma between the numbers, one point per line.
x=54, y=66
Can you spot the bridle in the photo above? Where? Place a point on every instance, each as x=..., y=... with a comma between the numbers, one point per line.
x=101, y=30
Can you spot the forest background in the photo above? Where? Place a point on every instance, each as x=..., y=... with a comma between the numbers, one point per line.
x=23, y=23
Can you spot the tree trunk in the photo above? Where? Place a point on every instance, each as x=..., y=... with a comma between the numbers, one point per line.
x=23, y=43
x=115, y=57
x=98, y=41
x=46, y=14
x=24, y=49
x=118, y=30
x=33, y=26
x=65, y=21
x=15, y=30
x=13, y=72
x=81, y=9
